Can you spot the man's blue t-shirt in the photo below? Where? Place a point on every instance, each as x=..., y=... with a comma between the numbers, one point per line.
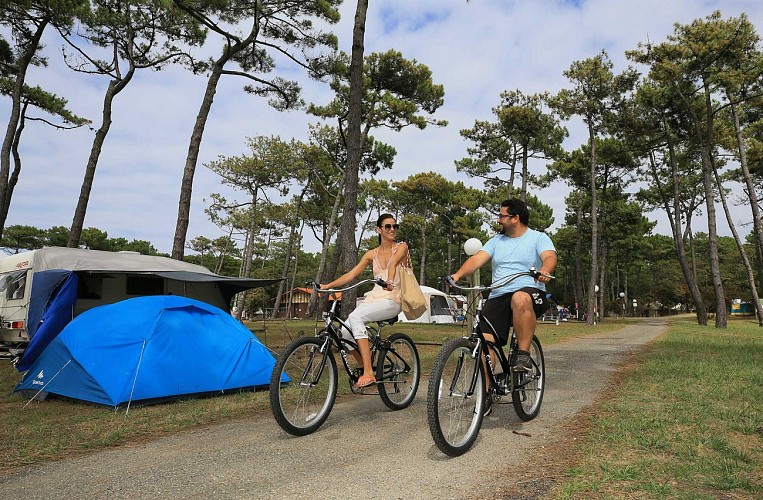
x=516, y=255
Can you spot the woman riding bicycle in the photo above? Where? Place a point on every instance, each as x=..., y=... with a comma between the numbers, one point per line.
x=515, y=249
x=379, y=304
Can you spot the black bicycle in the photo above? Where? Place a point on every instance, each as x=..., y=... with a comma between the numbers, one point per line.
x=304, y=382
x=456, y=399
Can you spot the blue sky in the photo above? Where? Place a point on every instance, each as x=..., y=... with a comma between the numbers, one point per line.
x=476, y=50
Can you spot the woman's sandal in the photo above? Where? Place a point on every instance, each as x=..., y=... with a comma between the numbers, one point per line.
x=365, y=381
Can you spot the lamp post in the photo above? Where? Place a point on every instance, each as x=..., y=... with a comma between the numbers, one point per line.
x=596, y=303
x=635, y=305
x=622, y=299
x=472, y=246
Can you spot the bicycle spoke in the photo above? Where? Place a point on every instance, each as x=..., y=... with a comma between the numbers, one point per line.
x=455, y=399
x=303, y=386
x=398, y=372
x=527, y=393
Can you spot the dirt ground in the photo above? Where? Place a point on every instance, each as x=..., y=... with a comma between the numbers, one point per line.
x=362, y=450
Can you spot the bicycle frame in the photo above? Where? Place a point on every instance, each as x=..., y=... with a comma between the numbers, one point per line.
x=484, y=347
x=333, y=327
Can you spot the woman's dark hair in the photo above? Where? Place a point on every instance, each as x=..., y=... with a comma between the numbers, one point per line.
x=381, y=219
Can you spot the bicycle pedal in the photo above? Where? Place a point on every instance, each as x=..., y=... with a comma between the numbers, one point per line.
x=369, y=390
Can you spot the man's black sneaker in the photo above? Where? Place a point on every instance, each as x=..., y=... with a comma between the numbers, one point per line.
x=523, y=362
x=488, y=405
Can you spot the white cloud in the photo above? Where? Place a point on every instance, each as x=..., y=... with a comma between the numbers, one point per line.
x=474, y=49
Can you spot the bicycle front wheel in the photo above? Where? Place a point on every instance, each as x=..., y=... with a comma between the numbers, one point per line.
x=456, y=397
x=303, y=386
x=527, y=393
x=397, y=372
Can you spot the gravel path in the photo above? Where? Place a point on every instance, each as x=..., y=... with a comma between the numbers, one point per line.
x=363, y=450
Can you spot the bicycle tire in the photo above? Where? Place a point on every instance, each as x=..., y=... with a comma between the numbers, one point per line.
x=454, y=410
x=528, y=388
x=303, y=386
x=398, y=372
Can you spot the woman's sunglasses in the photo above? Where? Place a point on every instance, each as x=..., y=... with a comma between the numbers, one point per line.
x=390, y=226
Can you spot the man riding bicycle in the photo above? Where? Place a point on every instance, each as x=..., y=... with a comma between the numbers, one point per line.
x=515, y=249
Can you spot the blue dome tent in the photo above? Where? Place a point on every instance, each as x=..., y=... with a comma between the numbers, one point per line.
x=149, y=348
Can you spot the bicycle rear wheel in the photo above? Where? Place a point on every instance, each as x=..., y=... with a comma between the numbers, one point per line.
x=528, y=388
x=398, y=372
x=456, y=398
x=303, y=386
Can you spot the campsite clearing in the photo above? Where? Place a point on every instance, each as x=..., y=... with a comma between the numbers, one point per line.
x=247, y=457
x=32, y=434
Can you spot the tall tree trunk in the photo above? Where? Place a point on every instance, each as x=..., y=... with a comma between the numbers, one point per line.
x=423, y=260
x=289, y=251
x=708, y=171
x=224, y=253
x=319, y=274
x=246, y=265
x=693, y=251
x=512, y=173
x=13, y=122
x=186, y=185
x=674, y=217
x=354, y=151
x=523, y=194
x=579, y=290
x=751, y=193
x=14, y=178
x=294, y=272
x=715, y=268
x=450, y=249
x=602, y=281
x=759, y=262
x=742, y=252
x=78, y=221
x=594, y=232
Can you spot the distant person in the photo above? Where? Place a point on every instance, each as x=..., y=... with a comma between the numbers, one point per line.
x=379, y=304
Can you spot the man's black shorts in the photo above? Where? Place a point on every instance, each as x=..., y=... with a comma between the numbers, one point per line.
x=498, y=311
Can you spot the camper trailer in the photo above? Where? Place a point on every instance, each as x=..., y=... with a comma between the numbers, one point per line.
x=438, y=308
x=76, y=280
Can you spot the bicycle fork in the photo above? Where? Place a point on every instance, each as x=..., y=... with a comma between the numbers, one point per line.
x=453, y=390
x=309, y=376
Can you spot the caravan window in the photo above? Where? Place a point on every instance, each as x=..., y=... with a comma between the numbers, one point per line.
x=145, y=285
x=90, y=287
x=13, y=284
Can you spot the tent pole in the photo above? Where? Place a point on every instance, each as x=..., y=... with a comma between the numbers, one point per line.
x=48, y=383
x=135, y=380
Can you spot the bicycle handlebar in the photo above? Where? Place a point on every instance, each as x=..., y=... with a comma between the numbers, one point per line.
x=376, y=281
x=499, y=283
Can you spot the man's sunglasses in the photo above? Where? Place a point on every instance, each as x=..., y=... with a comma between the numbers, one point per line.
x=390, y=226
x=501, y=216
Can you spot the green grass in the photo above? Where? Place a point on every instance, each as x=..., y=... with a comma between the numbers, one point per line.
x=56, y=428
x=686, y=421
